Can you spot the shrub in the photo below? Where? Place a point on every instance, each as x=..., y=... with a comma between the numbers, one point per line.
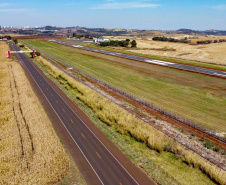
x=208, y=144
x=217, y=149
x=133, y=44
x=15, y=41
x=203, y=138
x=37, y=53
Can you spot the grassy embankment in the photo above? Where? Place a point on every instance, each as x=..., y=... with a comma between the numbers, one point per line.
x=30, y=151
x=172, y=157
x=194, y=96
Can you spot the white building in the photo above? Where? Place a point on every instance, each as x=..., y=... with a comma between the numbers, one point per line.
x=96, y=40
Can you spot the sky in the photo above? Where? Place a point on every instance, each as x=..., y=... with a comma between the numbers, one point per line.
x=129, y=14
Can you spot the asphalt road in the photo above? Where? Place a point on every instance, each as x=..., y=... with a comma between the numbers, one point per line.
x=107, y=168
x=202, y=70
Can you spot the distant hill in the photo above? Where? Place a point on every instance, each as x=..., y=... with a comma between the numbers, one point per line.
x=206, y=32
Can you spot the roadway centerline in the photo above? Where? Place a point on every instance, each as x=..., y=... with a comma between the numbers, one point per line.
x=98, y=155
x=118, y=173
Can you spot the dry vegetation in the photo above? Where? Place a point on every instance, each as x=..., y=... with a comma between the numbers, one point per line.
x=30, y=151
x=211, y=53
x=127, y=124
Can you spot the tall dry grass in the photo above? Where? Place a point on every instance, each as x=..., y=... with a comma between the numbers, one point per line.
x=126, y=123
x=30, y=151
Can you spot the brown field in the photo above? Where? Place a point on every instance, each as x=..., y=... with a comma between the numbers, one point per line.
x=12, y=35
x=30, y=151
x=211, y=53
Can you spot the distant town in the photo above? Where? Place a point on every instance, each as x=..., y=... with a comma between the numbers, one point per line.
x=83, y=31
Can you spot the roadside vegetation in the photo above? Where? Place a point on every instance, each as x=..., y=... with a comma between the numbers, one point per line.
x=194, y=96
x=6, y=36
x=153, y=144
x=30, y=151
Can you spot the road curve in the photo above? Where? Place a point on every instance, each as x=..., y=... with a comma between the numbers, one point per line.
x=107, y=168
x=185, y=67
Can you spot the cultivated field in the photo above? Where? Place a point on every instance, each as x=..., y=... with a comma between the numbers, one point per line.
x=211, y=53
x=30, y=151
x=194, y=96
x=171, y=155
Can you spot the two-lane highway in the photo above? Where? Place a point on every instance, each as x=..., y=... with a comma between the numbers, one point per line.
x=107, y=168
x=195, y=69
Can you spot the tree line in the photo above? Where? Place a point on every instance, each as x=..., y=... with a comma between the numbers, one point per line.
x=210, y=41
x=122, y=43
x=6, y=36
x=185, y=40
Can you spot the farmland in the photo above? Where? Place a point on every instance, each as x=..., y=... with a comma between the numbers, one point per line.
x=210, y=53
x=193, y=96
x=99, y=108
x=31, y=152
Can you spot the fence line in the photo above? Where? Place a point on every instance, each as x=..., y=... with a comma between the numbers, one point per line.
x=139, y=100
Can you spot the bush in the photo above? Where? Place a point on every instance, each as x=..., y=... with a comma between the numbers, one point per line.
x=217, y=149
x=133, y=44
x=37, y=53
x=21, y=46
x=15, y=41
x=203, y=138
x=208, y=144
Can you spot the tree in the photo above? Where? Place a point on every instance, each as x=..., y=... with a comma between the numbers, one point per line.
x=15, y=41
x=74, y=34
x=37, y=53
x=133, y=44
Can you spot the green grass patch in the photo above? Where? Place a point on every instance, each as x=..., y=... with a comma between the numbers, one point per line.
x=165, y=167
x=200, y=102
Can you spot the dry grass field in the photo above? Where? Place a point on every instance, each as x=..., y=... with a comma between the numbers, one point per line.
x=213, y=53
x=30, y=151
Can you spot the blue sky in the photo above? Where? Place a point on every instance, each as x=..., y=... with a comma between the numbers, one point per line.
x=135, y=14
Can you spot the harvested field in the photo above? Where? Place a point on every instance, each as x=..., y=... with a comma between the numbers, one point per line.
x=211, y=53
x=193, y=96
x=31, y=152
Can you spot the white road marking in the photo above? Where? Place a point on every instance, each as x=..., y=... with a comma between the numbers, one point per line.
x=85, y=126
x=159, y=62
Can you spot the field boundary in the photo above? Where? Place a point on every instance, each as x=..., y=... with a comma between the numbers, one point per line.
x=165, y=58
x=139, y=100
